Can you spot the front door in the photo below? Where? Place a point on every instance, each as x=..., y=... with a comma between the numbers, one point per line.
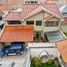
x=38, y=35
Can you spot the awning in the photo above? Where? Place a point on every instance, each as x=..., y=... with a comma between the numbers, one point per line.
x=54, y=36
x=17, y=34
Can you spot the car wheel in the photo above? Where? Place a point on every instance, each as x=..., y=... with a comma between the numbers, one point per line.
x=7, y=54
x=18, y=54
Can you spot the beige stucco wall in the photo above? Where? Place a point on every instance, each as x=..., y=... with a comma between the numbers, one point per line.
x=36, y=17
x=40, y=16
x=35, y=52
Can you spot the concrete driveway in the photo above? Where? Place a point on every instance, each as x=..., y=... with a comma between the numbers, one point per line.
x=13, y=61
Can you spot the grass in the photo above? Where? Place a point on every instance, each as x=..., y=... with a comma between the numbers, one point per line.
x=65, y=34
x=46, y=65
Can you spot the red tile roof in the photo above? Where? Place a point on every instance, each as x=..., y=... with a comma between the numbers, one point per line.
x=5, y=8
x=62, y=47
x=13, y=16
x=17, y=34
x=49, y=7
x=65, y=19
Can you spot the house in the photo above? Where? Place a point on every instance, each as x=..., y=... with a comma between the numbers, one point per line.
x=63, y=10
x=40, y=16
x=1, y=14
x=62, y=47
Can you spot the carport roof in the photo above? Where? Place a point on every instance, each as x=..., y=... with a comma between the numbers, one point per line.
x=62, y=47
x=54, y=36
x=17, y=34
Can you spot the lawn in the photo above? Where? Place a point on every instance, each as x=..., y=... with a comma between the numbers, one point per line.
x=46, y=65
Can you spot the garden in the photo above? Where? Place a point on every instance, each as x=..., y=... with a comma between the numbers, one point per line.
x=36, y=62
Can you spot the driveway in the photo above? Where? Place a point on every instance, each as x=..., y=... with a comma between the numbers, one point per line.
x=13, y=61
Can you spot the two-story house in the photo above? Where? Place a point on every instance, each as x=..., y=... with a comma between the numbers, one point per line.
x=44, y=17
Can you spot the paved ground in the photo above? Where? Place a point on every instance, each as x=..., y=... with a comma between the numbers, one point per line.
x=13, y=61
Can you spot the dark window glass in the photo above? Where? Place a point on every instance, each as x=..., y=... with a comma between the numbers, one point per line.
x=14, y=22
x=38, y=23
x=0, y=17
x=31, y=2
x=30, y=22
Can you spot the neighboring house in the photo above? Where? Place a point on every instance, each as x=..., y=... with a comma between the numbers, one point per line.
x=18, y=3
x=61, y=2
x=63, y=10
x=5, y=8
x=62, y=47
x=1, y=14
x=4, y=11
x=41, y=16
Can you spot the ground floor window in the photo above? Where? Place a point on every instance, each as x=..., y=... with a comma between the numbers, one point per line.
x=51, y=23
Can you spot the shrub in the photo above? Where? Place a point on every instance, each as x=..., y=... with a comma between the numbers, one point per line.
x=50, y=61
x=36, y=62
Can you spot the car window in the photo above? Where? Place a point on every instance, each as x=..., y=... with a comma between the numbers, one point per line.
x=11, y=51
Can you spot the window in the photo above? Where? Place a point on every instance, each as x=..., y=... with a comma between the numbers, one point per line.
x=0, y=18
x=51, y=23
x=30, y=22
x=31, y=2
x=14, y=22
x=38, y=23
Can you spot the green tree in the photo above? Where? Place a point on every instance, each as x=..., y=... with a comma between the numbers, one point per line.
x=36, y=62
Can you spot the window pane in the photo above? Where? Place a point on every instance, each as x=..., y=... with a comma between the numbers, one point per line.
x=51, y=23
x=38, y=23
x=30, y=22
x=31, y=2
x=14, y=22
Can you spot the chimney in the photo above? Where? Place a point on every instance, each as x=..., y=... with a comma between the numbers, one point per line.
x=51, y=1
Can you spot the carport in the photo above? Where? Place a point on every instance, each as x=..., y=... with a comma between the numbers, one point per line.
x=54, y=36
x=16, y=34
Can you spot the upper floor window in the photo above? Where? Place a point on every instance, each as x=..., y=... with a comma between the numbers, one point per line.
x=38, y=23
x=30, y=22
x=14, y=22
x=31, y=2
x=51, y=23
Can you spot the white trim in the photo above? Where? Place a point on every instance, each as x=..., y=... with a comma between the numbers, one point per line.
x=41, y=45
